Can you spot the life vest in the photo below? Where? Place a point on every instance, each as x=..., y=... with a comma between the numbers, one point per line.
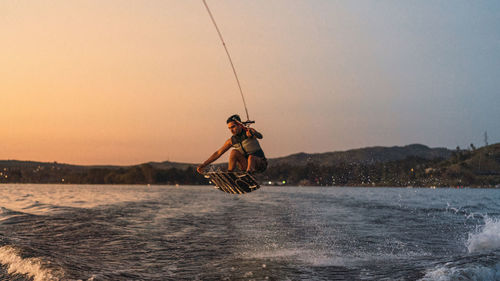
x=247, y=145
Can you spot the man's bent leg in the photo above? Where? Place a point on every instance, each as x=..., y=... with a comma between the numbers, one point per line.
x=236, y=158
x=251, y=164
x=256, y=164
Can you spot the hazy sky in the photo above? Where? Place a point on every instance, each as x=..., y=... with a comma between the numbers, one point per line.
x=126, y=82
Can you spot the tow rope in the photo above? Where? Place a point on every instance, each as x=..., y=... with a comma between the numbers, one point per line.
x=230, y=60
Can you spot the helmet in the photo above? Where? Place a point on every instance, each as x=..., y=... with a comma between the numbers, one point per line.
x=233, y=118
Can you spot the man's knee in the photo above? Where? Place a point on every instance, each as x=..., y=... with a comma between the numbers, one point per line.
x=254, y=159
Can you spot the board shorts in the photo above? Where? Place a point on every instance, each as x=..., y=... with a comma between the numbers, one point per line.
x=261, y=165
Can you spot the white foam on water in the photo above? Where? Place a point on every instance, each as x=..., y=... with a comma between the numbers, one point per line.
x=311, y=257
x=485, y=238
x=323, y=258
x=32, y=267
x=472, y=272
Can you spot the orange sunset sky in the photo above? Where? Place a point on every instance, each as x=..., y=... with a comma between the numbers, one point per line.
x=126, y=82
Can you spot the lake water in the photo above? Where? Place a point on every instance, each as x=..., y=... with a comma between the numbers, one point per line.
x=78, y=232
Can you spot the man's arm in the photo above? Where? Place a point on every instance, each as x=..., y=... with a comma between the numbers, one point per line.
x=252, y=132
x=227, y=145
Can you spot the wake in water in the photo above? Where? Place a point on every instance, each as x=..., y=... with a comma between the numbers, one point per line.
x=10, y=257
x=282, y=233
x=482, y=261
x=451, y=272
x=487, y=237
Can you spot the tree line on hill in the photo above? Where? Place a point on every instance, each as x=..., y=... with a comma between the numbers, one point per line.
x=470, y=167
x=140, y=174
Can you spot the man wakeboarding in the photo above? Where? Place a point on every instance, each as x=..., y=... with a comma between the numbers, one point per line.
x=246, y=153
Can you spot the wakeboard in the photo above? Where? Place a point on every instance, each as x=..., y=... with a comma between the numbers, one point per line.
x=233, y=182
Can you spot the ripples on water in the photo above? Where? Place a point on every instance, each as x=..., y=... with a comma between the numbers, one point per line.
x=69, y=232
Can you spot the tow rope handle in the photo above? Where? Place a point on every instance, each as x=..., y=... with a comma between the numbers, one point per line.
x=244, y=124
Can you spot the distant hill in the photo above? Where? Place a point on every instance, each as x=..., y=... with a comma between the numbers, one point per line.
x=485, y=160
x=368, y=155
x=479, y=167
x=34, y=164
x=169, y=165
x=31, y=164
x=411, y=165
